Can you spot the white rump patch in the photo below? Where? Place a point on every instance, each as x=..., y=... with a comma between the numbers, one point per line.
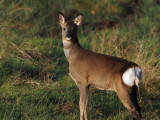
x=132, y=76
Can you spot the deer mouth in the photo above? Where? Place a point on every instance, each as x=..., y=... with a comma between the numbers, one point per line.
x=68, y=37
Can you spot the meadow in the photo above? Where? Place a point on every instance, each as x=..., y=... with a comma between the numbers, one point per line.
x=34, y=80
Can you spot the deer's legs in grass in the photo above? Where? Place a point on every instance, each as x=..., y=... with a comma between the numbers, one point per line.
x=129, y=100
x=83, y=101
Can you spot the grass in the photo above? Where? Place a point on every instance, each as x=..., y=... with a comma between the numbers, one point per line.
x=34, y=80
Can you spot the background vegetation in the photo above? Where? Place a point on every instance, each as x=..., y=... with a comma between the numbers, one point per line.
x=34, y=84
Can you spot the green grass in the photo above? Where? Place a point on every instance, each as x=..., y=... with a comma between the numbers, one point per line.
x=34, y=80
x=57, y=100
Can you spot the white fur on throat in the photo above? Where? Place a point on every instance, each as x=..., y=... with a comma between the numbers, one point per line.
x=66, y=50
x=66, y=43
x=132, y=76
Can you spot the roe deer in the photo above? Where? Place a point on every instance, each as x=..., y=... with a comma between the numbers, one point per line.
x=102, y=71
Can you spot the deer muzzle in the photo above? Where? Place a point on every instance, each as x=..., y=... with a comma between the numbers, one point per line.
x=68, y=36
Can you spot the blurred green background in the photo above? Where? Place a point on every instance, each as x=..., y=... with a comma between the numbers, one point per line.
x=34, y=80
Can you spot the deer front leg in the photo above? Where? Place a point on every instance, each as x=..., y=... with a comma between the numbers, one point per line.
x=83, y=102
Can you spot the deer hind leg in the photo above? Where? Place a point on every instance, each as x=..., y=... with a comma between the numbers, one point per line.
x=83, y=102
x=129, y=100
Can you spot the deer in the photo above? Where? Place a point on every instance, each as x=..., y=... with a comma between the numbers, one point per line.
x=102, y=71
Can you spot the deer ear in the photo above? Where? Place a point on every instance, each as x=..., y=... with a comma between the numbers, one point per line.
x=61, y=18
x=78, y=20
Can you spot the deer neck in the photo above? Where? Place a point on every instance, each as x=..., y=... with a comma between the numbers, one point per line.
x=71, y=48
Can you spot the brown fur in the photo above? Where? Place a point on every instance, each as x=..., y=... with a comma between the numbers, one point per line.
x=102, y=71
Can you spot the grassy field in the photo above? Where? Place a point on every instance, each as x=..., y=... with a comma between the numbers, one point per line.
x=34, y=80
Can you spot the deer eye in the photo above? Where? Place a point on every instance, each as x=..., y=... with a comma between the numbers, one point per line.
x=64, y=29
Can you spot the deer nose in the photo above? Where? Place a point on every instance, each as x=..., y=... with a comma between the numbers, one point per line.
x=68, y=37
